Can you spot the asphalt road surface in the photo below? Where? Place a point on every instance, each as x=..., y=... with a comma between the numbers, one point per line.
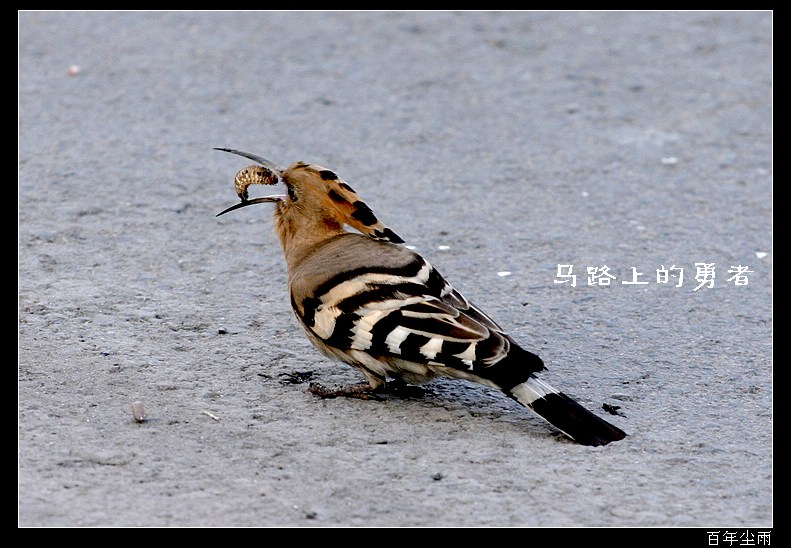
x=635, y=148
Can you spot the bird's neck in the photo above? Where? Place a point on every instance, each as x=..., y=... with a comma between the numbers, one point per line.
x=300, y=237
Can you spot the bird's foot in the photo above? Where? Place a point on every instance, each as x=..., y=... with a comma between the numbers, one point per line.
x=364, y=391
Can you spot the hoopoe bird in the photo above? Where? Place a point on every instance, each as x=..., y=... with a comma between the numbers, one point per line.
x=382, y=308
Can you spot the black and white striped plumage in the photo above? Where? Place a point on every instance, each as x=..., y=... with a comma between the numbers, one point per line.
x=383, y=309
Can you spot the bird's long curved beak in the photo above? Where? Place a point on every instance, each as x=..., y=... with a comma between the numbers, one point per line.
x=264, y=199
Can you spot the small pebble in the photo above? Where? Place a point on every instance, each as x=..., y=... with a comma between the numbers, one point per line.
x=74, y=70
x=138, y=412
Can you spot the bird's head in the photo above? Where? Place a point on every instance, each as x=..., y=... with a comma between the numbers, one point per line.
x=316, y=199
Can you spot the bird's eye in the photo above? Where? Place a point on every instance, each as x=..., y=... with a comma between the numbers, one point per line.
x=291, y=194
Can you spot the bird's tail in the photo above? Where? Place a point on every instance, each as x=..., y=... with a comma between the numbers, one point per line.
x=565, y=414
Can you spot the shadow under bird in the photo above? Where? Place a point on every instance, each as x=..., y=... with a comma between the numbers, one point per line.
x=382, y=308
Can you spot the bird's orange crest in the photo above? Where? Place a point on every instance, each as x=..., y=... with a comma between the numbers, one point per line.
x=338, y=195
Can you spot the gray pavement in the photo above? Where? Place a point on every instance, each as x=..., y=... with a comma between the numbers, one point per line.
x=500, y=145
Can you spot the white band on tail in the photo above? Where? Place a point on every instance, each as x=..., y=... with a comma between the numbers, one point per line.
x=531, y=390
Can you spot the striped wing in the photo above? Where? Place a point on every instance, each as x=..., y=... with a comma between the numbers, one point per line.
x=403, y=310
